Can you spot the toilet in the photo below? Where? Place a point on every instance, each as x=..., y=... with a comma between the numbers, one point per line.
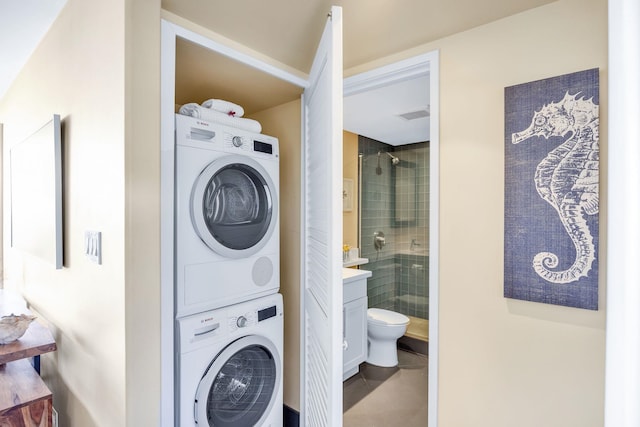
x=384, y=327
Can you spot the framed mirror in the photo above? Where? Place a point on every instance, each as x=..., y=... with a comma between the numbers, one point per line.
x=404, y=200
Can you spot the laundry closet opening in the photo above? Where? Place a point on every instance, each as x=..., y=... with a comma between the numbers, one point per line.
x=202, y=74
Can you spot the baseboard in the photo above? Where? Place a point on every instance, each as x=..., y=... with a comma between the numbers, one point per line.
x=291, y=417
x=414, y=345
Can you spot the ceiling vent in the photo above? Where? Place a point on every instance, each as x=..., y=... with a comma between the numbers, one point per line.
x=412, y=115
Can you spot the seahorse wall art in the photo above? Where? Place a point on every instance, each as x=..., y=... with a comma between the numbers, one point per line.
x=554, y=158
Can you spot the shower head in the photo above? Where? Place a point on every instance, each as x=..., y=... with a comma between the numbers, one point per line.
x=394, y=159
x=378, y=168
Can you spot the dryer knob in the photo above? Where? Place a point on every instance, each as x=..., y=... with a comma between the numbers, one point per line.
x=237, y=141
x=241, y=322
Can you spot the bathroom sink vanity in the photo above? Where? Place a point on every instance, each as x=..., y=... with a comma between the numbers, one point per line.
x=354, y=323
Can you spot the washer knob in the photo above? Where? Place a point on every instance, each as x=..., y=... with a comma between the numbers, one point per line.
x=237, y=141
x=241, y=322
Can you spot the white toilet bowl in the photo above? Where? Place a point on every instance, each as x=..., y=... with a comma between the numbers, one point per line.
x=384, y=327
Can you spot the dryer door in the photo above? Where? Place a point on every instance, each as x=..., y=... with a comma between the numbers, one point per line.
x=241, y=384
x=234, y=206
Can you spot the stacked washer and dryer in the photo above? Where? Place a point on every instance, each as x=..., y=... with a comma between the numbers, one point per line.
x=229, y=314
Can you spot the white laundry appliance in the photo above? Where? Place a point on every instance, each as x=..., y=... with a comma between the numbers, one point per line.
x=226, y=215
x=230, y=365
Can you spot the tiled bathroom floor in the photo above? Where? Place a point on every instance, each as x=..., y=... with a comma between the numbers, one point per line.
x=382, y=397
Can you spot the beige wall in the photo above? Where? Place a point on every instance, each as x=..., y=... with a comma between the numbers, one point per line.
x=142, y=212
x=78, y=72
x=284, y=123
x=510, y=362
x=350, y=170
x=98, y=68
x=502, y=362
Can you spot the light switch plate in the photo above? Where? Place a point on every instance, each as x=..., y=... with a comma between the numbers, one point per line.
x=93, y=246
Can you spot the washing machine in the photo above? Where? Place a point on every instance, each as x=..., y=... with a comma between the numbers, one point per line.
x=230, y=365
x=226, y=215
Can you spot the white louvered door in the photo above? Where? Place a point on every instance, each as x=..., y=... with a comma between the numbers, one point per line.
x=321, y=269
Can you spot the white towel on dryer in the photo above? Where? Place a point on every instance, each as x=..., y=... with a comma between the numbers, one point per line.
x=194, y=110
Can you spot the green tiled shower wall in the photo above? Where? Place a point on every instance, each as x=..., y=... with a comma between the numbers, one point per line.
x=412, y=290
x=400, y=270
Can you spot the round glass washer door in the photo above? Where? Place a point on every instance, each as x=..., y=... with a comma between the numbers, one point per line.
x=240, y=386
x=234, y=206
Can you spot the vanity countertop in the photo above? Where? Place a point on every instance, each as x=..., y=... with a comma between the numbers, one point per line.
x=351, y=275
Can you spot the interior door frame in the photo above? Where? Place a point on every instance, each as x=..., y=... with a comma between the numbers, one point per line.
x=428, y=63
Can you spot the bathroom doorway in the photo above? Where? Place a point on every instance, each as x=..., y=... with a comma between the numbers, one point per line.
x=397, y=231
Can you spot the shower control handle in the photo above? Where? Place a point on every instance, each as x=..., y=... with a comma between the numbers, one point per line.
x=378, y=240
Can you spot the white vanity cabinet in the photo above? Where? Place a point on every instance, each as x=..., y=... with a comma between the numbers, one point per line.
x=354, y=321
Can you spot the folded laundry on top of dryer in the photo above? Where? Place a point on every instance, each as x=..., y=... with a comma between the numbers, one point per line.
x=223, y=106
x=194, y=110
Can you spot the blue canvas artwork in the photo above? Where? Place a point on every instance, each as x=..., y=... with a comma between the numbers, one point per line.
x=552, y=190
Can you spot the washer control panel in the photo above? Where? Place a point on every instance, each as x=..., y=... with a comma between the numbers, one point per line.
x=251, y=318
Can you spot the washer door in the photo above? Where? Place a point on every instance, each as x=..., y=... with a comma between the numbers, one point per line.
x=234, y=206
x=241, y=384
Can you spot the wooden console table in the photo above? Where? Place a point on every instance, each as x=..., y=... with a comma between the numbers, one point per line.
x=25, y=400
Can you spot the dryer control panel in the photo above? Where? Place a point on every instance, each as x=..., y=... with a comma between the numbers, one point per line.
x=202, y=134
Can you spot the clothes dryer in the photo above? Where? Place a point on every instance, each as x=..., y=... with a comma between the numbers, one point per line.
x=230, y=365
x=226, y=215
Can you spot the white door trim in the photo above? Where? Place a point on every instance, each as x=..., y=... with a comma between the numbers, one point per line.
x=622, y=369
x=420, y=65
x=167, y=158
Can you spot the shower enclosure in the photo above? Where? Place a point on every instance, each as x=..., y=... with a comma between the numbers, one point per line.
x=394, y=225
